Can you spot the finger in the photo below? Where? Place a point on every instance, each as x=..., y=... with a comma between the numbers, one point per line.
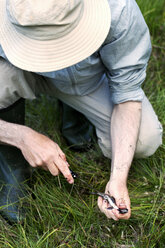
x=125, y=216
x=103, y=205
x=53, y=169
x=110, y=214
x=63, y=156
x=67, y=163
x=63, y=168
x=121, y=203
x=61, y=153
x=99, y=203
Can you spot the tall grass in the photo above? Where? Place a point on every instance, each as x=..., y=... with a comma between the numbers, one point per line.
x=61, y=215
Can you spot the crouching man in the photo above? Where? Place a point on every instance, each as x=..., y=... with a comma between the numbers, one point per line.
x=92, y=55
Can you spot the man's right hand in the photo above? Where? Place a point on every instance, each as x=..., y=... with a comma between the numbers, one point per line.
x=40, y=151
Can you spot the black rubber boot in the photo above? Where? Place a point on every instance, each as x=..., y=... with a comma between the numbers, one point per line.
x=76, y=129
x=14, y=170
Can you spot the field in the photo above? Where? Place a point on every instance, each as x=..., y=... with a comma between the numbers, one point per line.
x=61, y=215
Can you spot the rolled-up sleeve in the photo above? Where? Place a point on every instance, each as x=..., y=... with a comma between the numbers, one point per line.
x=126, y=51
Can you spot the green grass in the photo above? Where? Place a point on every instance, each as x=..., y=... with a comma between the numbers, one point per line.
x=61, y=215
x=153, y=12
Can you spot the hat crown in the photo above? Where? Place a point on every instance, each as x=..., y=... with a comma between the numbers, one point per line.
x=39, y=12
x=44, y=20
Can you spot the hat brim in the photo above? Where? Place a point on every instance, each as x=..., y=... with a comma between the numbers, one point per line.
x=44, y=56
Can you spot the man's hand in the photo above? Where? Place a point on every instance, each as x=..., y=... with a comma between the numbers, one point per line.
x=120, y=192
x=40, y=151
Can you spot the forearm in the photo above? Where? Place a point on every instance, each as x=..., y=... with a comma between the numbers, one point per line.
x=10, y=133
x=125, y=124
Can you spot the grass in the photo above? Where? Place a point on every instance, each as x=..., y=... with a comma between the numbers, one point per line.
x=60, y=215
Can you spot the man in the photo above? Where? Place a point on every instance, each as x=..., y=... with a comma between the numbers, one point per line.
x=92, y=55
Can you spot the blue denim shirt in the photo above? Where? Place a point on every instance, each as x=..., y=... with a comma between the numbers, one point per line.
x=121, y=60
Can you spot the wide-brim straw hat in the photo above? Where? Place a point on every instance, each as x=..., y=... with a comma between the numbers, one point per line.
x=43, y=36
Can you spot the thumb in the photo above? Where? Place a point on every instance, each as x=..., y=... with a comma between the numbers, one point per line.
x=121, y=203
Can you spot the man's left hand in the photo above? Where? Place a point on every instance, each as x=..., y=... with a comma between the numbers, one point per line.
x=120, y=192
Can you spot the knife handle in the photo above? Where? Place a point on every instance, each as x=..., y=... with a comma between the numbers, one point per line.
x=74, y=175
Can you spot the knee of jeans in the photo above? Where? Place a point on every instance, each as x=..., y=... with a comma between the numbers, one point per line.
x=149, y=143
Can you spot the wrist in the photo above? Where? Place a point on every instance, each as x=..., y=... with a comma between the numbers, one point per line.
x=118, y=179
x=119, y=171
x=24, y=133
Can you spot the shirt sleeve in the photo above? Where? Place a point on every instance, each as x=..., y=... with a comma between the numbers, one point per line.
x=126, y=51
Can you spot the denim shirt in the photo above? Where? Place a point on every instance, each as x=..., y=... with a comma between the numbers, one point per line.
x=121, y=60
